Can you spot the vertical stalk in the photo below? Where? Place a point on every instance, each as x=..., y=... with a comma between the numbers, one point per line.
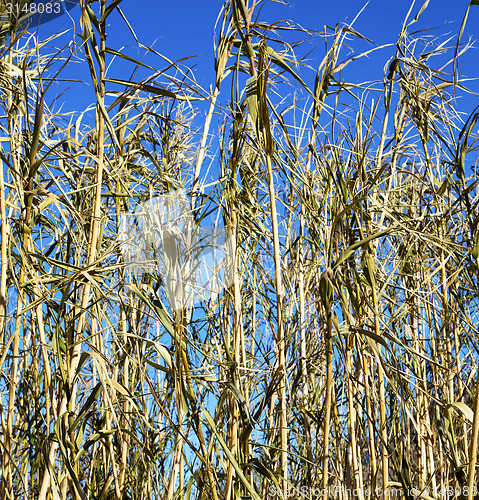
x=179, y=396
x=75, y=335
x=369, y=410
x=4, y=230
x=474, y=436
x=3, y=306
x=234, y=346
x=352, y=420
x=6, y=482
x=327, y=400
x=382, y=404
x=280, y=339
x=303, y=350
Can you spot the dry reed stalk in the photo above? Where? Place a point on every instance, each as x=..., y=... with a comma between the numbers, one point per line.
x=280, y=336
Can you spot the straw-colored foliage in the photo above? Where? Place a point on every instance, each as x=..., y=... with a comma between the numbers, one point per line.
x=343, y=354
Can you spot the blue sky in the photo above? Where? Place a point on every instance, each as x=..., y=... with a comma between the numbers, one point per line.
x=184, y=28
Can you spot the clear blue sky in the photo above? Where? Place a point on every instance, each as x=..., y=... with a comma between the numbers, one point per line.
x=182, y=28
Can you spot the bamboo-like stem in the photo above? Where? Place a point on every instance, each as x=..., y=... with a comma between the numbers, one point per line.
x=235, y=343
x=352, y=423
x=13, y=385
x=180, y=385
x=371, y=434
x=122, y=332
x=382, y=405
x=204, y=138
x=303, y=350
x=280, y=339
x=3, y=303
x=328, y=343
x=377, y=329
x=474, y=436
x=6, y=483
x=473, y=444
x=4, y=231
x=75, y=343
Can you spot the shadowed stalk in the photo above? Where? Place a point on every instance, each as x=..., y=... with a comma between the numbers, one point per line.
x=280, y=337
x=474, y=433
